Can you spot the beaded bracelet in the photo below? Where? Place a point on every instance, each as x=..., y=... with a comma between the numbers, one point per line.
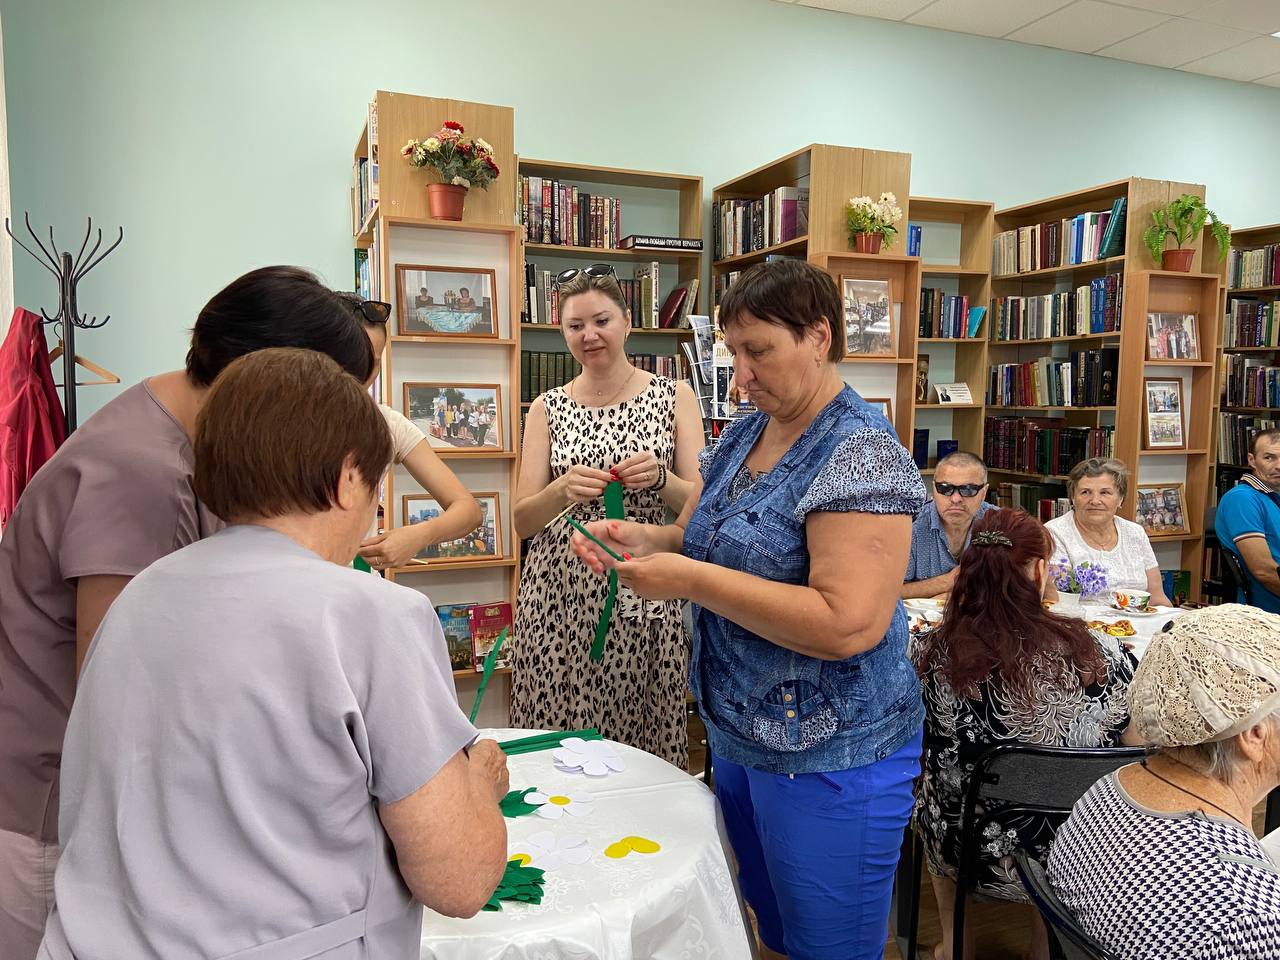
x=662, y=478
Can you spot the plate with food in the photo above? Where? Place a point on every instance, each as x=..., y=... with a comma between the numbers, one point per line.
x=1115, y=628
x=925, y=606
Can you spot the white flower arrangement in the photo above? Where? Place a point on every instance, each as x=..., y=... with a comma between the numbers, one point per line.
x=864, y=215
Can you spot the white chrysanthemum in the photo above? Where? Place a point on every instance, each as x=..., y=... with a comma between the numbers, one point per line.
x=460, y=182
x=549, y=851
x=595, y=758
x=432, y=144
x=552, y=806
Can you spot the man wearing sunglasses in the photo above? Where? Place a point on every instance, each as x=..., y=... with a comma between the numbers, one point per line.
x=940, y=532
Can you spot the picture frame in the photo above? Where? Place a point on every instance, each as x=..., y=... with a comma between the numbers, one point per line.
x=458, y=418
x=446, y=302
x=884, y=405
x=1161, y=508
x=483, y=543
x=1173, y=336
x=868, y=318
x=1163, y=414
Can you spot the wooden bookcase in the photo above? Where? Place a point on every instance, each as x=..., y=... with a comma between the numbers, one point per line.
x=955, y=251
x=833, y=175
x=1145, y=289
x=399, y=230
x=665, y=204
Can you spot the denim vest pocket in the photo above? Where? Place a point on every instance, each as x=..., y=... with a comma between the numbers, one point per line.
x=849, y=680
x=794, y=713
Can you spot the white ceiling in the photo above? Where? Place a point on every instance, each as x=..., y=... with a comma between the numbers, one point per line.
x=1218, y=38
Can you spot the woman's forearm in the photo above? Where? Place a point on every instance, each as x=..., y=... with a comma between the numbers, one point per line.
x=537, y=510
x=459, y=518
x=675, y=493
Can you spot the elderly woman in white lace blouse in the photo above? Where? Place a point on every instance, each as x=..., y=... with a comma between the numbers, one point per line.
x=1159, y=860
x=1093, y=533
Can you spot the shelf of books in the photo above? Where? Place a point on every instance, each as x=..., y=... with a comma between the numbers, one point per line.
x=794, y=207
x=451, y=364
x=953, y=240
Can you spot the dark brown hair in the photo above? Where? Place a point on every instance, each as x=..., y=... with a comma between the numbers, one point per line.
x=277, y=307
x=275, y=431
x=790, y=293
x=995, y=624
x=1271, y=435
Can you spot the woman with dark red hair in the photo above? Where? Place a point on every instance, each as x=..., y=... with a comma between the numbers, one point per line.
x=1001, y=668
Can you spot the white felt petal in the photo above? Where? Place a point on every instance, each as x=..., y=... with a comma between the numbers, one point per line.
x=543, y=838
x=571, y=840
x=615, y=764
x=563, y=756
x=581, y=796
x=549, y=811
x=537, y=797
x=564, y=769
x=579, y=809
x=576, y=855
x=574, y=743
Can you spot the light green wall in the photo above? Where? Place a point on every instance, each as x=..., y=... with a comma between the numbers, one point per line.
x=220, y=133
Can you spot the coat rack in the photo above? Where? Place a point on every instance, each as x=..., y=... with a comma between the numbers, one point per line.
x=68, y=272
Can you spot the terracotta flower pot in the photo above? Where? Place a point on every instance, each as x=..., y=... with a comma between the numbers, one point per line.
x=867, y=242
x=446, y=200
x=1179, y=260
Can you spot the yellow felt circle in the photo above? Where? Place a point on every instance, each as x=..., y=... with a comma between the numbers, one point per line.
x=521, y=858
x=641, y=844
x=560, y=801
x=617, y=850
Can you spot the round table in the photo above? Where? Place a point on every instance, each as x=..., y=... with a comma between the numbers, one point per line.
x=679, y=902
x=1146, y=625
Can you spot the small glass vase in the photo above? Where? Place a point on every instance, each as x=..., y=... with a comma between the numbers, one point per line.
x=1069, y=604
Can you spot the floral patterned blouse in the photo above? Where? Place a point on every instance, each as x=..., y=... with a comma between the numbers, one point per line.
x=958, y=729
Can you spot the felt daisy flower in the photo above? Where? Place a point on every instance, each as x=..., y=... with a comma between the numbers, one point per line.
x=549, y=851
x=595, y=758
x=553, y=806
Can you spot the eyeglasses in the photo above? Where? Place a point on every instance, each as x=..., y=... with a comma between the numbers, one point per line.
x=965, y=490
x=374, y=311
x=595, y=270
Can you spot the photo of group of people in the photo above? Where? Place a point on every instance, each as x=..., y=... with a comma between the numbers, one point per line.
x=445, y=301
x=1161, y=508
x=484, y=541
x=456, y=417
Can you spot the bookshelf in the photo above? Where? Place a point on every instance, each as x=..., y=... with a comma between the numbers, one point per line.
x=955, y=250
x=831, y=175
x=397, y=229
x=1142, y=289
x=653, y=203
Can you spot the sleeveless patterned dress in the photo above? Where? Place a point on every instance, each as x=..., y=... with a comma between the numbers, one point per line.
x=636, y=695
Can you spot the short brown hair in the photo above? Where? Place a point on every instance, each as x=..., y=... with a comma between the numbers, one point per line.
x=275, y=431
x=791, y=293
x=1270, y=435
x=1097, y=467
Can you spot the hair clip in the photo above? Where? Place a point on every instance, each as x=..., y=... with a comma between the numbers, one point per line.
x=992, y=538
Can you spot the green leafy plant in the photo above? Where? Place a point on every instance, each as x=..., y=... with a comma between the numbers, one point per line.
x=864, y=215
x=1184, y=219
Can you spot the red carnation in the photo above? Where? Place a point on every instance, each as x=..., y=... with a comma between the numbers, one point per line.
x=465, y=147
x=453, y=125
x=488, y=162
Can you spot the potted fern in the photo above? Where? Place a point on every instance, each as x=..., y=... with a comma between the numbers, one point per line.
x=1183, y=219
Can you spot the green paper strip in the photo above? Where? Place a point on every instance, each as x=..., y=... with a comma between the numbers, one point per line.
x=361, y=564
x=546, y=741
x=590, y=536
x=513, y=804
x=614, y=509
x=489, y=661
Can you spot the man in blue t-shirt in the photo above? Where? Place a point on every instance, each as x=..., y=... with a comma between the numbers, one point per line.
x=1248, y=521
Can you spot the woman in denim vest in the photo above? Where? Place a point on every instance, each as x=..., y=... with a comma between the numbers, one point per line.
x=792, y=550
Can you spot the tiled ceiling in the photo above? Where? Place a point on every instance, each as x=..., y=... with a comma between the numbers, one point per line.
x=1234, y=39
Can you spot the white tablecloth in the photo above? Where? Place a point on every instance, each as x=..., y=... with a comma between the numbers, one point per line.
x=681, y=902
x=1146, y=625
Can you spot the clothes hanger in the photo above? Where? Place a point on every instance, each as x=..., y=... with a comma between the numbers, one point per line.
x=104, y=375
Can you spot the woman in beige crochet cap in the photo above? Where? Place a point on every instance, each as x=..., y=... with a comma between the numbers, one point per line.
x=1158, y=860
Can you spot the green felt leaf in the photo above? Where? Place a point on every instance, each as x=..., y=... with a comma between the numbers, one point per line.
x=520, y=883
x=513, y=804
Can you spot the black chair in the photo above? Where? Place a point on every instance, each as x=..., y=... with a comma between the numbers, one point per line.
x=1072, y=942
x=1233, y=564
x=1027, y=779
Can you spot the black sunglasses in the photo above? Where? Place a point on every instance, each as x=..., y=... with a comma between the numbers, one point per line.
x=374, y=311
x=965, y=490
x=595, y=270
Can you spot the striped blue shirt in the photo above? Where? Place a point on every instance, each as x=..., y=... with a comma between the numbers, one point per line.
x=930, y=553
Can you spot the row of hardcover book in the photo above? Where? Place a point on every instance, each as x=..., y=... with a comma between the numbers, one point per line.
x=1042, y=445
x=1059, y=243
x=1086, y=379
x=1251, y=323
x=741, y=226
x=555, y=212
x=1236, y=432
x=364, y=176
x=1254, y=268
x=1040, y=501
x=1249, y=382
x=471, y=630
x=542, y=298
x=1095, y=307
x=543, y=370
x=946, y=315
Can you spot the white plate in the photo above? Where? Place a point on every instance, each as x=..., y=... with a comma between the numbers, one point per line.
x=1153, y=612
x=923, y=605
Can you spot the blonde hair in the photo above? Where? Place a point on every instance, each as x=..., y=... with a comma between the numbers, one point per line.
x=584, y=282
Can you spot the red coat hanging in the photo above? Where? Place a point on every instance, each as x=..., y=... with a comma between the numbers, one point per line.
x=31, y=421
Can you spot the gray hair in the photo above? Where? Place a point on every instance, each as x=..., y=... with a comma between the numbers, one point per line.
x=963, y=458
x=1099, y=467
x=1220, y=759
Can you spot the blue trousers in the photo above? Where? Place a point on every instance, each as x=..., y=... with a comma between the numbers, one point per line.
x=817, y=851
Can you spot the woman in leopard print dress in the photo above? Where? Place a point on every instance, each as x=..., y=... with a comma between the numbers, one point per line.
x=648, y=431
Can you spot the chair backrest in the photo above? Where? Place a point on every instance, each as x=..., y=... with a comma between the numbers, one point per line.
x=1237, y=571
x=1074, y=943
x=1041, y=778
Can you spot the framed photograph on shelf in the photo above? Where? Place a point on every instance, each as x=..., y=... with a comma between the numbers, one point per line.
x=457, y=417
x=445, y=301
x=1163, y=420
x=1162, y=509
x=884, y=405
x=1172, y=336
x=868, y=318
x=484, y=542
